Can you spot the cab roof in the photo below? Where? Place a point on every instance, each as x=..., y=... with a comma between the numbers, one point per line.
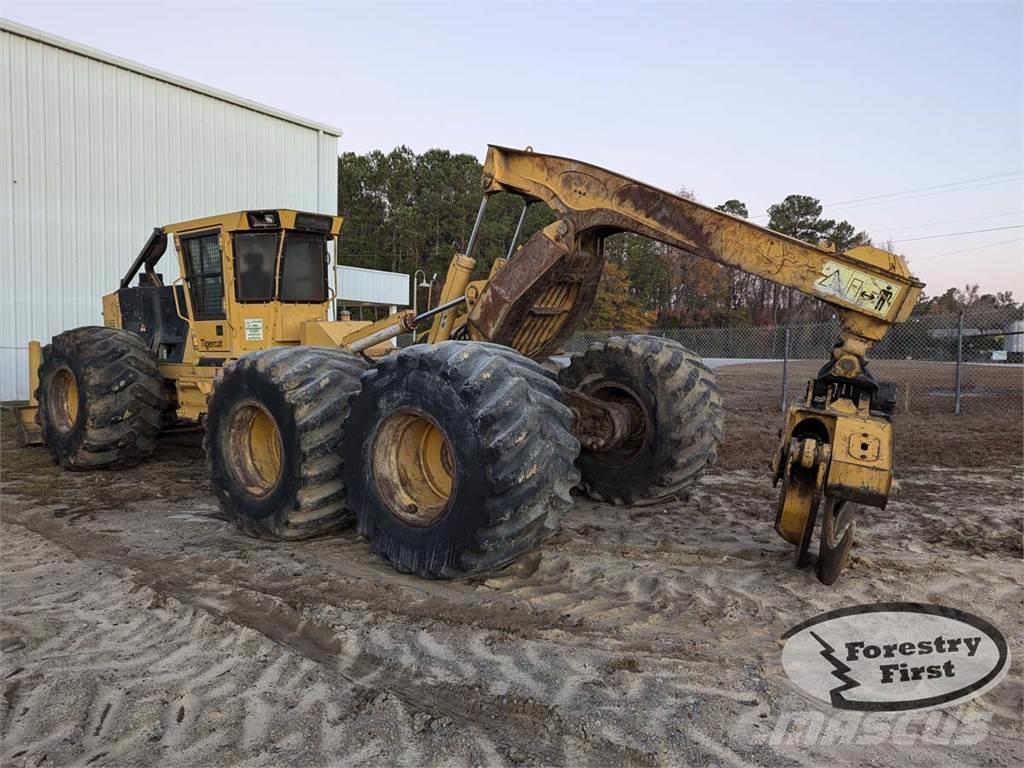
x=257, y=219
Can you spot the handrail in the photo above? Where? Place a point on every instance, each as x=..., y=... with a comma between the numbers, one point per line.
x=174, y=295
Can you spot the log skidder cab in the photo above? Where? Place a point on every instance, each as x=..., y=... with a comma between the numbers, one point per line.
x=456, y=455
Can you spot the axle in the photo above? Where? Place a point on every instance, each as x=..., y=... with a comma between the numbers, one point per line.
x=601, y=425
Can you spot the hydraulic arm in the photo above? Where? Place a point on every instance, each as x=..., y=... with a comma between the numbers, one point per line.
x=870, y=288
x=836, y=446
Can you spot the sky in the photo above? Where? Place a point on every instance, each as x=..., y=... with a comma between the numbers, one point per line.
x=905, y=119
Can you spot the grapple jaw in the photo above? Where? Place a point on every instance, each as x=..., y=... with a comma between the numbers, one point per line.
x=837, y=450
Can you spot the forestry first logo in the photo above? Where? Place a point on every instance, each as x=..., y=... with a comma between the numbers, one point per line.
x=892, y=657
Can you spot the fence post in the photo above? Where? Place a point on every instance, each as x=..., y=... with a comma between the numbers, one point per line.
x=785, y=367
x=959, y=360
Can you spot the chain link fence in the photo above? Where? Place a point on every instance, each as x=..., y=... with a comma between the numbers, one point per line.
x=969, y=362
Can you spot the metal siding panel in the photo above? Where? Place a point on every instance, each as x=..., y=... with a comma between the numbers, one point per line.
x=33, y=265
x=328, y=176
x=84, y=51
x=10, y=356
x=100, y=155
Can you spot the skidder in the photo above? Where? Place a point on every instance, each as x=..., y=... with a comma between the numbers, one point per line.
x=456, y=455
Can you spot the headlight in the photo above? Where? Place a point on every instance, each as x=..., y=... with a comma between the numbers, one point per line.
x=313, y=222
x=263, y=219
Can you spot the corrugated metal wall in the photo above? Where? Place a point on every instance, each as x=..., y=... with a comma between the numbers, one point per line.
x=92, y=156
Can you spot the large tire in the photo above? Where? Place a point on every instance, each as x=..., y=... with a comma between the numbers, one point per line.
x=273, y=435
x=458, y=458
x=101, y=397
x=683, y=416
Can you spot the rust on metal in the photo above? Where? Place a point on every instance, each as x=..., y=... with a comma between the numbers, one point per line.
x=538, y=298
x=601, y=425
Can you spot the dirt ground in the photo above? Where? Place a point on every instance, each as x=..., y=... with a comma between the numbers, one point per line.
x=923, y=387
x=140, y=628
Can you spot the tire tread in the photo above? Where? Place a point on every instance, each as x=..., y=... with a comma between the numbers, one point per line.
x=317, y=383
x=531, y=479
x=121, y=389
x=695, y=431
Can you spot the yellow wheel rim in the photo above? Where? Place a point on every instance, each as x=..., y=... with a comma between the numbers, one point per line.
x=413, y=465
x=796, y=502
x=799, y=497
x=254, y=448
x=64, y=399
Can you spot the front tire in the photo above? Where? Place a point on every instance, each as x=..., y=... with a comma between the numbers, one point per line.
x=273, y=434
x=101, y=397
x=458, y=458
x=683, y=417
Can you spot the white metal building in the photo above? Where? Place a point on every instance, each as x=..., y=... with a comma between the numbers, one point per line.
x=371, y=287
x=96, y=151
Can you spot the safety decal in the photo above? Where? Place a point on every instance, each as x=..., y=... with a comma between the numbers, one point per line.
x=254, y=329
x=874, y=294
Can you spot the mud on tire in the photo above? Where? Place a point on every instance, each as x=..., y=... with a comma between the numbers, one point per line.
x=273, y=435
x=101, y=397
x=682, y=409
x=458, y=458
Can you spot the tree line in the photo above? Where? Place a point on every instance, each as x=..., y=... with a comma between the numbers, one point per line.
x=406, y=211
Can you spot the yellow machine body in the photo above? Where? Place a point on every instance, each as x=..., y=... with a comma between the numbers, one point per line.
x=871, y=288
x=857, y=467
x=246, y=326
x=235, y=326
x=27, y=430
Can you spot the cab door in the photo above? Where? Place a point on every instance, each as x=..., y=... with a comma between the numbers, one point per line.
x=202, y=263
x=253, y=308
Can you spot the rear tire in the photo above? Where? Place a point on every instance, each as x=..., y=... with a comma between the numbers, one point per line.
x=683, y=417
x=274, y=429
x=458, y=458
x=101, y=397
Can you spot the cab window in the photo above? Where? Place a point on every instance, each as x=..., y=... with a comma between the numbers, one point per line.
x=205, y=278
x=304, y=267
x=255, y=258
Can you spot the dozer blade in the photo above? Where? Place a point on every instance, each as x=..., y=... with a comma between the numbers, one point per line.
x=27, y=432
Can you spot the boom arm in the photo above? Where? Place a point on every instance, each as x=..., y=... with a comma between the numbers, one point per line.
x=871, y=288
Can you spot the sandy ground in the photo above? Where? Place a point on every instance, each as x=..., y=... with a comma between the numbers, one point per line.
x=139, y=628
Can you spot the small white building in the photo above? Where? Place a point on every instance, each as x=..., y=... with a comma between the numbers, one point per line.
x=96, y=151
x=358, y=287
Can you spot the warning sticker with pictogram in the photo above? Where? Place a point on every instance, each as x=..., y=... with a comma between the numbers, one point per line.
x=873, y=294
